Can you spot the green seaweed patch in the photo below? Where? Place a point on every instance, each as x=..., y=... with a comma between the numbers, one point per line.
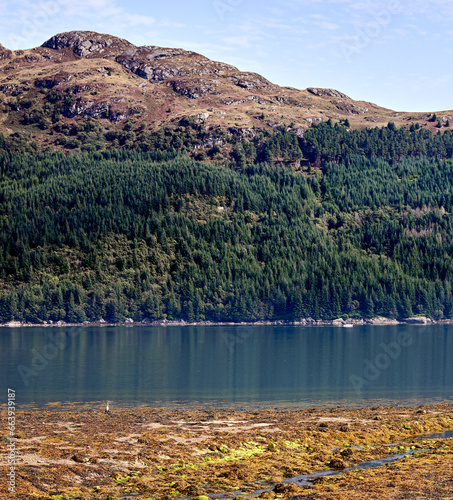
x=293, y=444
x=121, y=479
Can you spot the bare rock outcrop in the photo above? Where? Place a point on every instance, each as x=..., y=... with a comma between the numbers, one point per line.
x=258, y=99
x=114, y=109
x=290, y=101
x=158, y=64
x=231, y=101
x=349, y=107
x=77, y=107
x=193, y=90
x=89, y=43
x=5, y=53
x=418, y=320
x=153, y=63
x=53, y=81
x=327, y=93
x=250, y=81
x=11, y=89
x=380, y=320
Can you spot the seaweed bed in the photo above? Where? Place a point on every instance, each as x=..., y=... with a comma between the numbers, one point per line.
x=69, y=452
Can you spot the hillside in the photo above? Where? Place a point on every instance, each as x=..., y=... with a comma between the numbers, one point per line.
x=49, y=93
x=152, y=183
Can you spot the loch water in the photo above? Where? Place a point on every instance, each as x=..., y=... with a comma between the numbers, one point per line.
x=228, y=365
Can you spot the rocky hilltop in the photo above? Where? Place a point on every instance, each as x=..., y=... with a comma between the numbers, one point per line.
x=88, y=44
x=83, y=75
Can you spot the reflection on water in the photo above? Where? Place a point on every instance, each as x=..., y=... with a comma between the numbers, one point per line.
x=277, y=365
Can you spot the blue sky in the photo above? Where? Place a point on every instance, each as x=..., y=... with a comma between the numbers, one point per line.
x=395, y=53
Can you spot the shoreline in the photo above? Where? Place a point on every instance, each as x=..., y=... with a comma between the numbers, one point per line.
x=340, y=322
x=236, y=407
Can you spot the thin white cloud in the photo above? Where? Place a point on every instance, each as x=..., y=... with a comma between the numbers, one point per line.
x=107, y=10
x=319, y=17
x=276, y=11
x=244, y=41
x=417, y=83
x=135, y=19
x=274, y=23
x=402, y=32
x=437, y=10
x=329, y=26
x=170, y=24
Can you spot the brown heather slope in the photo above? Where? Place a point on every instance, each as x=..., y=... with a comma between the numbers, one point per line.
x=84, y=75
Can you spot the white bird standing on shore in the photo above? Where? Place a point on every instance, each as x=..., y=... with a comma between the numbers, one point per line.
x=107, y=408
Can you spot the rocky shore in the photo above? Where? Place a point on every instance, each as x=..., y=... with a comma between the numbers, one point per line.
x=416, y=320
x=66, y=451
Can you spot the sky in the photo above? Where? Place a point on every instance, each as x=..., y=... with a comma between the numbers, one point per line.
x=394, y=53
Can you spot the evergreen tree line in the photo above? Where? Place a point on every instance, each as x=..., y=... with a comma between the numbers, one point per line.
x=153, y=235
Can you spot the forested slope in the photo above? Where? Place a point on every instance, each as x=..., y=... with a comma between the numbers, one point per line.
x=337, y=223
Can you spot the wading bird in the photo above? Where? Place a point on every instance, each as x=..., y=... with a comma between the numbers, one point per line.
x=107, y=409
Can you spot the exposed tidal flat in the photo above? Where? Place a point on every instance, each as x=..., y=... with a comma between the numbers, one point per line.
x=69, y=451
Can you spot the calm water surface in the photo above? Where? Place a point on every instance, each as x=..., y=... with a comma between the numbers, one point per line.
x=242, y=365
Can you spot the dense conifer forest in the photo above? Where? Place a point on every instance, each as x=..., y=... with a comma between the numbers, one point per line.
x=267, y=227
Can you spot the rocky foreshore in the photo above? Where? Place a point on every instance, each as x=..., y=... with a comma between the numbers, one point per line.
x=379, y=320
x=66, y=451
